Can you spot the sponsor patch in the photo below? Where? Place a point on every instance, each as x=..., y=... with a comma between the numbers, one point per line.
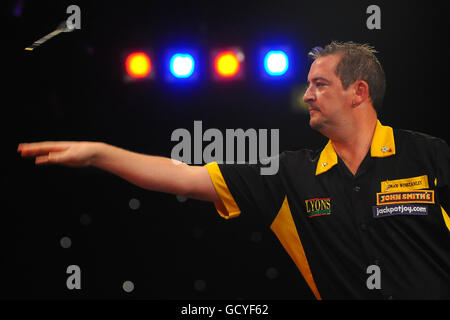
x=413, y=183
x=400, y=209
x=318, y=207
x=419, y=196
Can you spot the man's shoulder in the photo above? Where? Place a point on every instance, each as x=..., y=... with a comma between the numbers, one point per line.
x=419, y=144
x=304, y=156
x=417, y=138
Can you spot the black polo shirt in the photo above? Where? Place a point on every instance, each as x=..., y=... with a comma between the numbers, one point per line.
x=337, y=227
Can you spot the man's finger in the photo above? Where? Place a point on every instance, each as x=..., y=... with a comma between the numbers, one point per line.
x=40, y=151
x=41, y=160
x=34, y=149
x=26, y=145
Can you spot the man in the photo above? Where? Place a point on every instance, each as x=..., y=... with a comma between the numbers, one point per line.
x=363, y=218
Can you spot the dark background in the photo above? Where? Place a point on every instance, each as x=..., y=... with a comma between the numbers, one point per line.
x=72, y=88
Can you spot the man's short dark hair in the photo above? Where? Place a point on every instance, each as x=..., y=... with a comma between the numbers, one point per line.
x=358, y=62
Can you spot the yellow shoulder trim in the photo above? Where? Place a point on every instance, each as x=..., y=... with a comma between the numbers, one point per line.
x=227, y=208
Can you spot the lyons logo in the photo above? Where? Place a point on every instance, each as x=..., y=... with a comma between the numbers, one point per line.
x=318, y=207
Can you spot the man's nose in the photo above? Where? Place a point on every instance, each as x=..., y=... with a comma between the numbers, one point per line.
x=308, y=96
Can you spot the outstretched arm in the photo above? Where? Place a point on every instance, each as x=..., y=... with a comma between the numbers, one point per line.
x=149, y=172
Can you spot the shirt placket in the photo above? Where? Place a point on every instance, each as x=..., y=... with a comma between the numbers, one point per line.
x=359, y=191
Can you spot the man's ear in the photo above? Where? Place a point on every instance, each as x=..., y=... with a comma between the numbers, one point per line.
x=361, y=92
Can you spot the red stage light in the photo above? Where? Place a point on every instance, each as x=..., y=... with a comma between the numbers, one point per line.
x=138, y=65
x=227, y=64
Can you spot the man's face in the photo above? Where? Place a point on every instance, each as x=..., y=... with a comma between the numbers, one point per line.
x=328, y=102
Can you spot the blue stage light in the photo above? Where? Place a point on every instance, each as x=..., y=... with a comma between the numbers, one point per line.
x=182, y=65
x=276, y=63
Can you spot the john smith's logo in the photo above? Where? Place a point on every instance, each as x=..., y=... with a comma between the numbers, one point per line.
x=318, y=207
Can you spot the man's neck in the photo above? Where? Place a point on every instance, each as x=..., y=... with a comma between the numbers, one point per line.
x=353, y=141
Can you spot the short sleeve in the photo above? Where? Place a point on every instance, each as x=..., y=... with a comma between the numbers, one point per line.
x=243, y=188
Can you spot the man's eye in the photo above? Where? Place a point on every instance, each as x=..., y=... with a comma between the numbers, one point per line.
x=319, y=84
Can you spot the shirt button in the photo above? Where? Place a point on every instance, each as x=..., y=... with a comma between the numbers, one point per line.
x=356, y=188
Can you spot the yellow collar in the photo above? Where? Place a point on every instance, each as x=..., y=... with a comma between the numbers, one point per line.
x=383, y=145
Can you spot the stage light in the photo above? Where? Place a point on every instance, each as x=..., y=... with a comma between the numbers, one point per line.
x=227, y=64
x=182, y=65
x=138, y=65
x=276, y=63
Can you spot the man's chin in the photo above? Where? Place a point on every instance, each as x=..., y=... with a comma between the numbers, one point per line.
x=315, y=123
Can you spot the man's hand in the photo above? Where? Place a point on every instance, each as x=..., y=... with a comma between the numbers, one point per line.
x=68, y=153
